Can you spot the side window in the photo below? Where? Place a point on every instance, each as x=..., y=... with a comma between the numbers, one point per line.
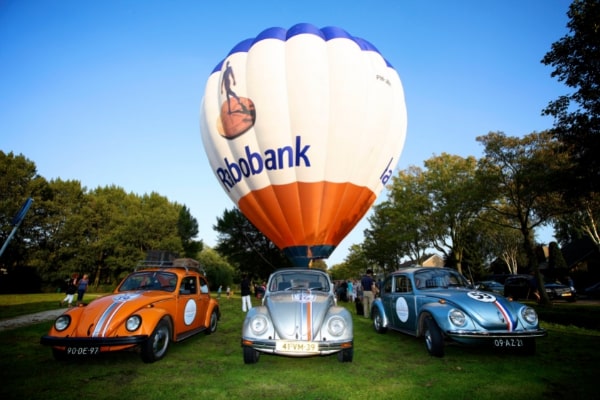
x=387, y=286
x=403, y=284
x=203, y=285
x=189, y=285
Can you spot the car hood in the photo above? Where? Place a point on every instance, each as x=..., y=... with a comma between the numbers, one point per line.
x=103, y=315
x=489, y=310
x=298, y=314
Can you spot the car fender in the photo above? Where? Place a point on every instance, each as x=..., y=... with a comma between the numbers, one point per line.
x=250, y=315
x=213, y=305
x=378, y=305
x=437, y=311
x=150, y=319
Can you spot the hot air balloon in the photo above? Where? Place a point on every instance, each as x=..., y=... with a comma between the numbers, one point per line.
x=303, y=128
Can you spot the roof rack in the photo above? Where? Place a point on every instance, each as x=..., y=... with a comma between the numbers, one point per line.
x=185, y=263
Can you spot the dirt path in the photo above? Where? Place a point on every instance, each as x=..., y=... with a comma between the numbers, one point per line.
x=25, y=320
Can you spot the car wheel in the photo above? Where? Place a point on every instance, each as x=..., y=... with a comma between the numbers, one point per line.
x=345, y=355
x=378, y=321
x=157, y=344
x=214, y=319
x=59, y=355
x=250, y=355
x=433, y=338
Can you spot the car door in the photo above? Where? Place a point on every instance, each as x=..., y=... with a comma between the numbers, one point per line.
x=189, y=310
x=402, y=310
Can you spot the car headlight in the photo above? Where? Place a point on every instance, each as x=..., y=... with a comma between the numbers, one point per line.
x=62, y=322
x=259, y=325
x=457, y=317
x=336, y=326
x=133, y=323
x=529, y=315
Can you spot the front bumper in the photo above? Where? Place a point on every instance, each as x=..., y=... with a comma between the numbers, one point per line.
x=93, y=341
x=485, y=335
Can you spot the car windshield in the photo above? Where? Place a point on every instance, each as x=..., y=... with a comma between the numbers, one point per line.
x=431, y=278
x=149, y=280
x=292, y=280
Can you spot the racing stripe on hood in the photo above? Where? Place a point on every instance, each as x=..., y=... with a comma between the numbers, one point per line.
x=510, y=326
x=110, y=312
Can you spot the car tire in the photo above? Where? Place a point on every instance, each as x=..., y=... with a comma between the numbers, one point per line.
x=214, y=320
x=157, y=344
x=378, y=321
x=345, y=355
x=433, y=338
x=250, y=355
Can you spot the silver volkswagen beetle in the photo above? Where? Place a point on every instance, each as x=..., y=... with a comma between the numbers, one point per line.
x=298, y=317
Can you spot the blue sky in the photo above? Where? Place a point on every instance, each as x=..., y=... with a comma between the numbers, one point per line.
x=108, y=92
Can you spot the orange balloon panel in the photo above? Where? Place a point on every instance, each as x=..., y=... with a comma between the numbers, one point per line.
x=329, y=211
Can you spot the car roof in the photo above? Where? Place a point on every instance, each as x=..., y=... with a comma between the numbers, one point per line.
x=415, y=268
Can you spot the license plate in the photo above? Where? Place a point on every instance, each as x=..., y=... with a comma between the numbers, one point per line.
x=297, y=347
x=508, y=343
x=83, y=351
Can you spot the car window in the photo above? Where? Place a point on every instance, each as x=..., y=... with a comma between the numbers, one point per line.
x=387, y=285
x=435, y=278
x=403, y=284
x=189, y=285
x=149, y=280
x=298, y=280
x=203, y=285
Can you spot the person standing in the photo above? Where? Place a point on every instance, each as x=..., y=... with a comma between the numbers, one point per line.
x=246, y=292
x=350, y=291
x=219, y=291
x=82, y=288
x=71, y=289
x=367, y=284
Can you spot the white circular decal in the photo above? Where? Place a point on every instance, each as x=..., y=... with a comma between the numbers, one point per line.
x=402, y=309
x=190, y=312
x=481, y=296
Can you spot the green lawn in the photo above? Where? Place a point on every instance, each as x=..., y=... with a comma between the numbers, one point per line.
x=386, y=366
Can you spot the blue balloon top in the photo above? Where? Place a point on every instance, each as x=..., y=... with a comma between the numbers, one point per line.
x=326, y=33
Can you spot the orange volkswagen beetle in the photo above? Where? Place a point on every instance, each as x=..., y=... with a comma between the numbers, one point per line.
x=156, y=304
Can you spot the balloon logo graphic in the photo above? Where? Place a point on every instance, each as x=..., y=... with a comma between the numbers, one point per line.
x=303, y=128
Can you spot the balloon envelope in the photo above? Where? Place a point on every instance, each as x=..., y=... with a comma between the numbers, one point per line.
x=303, y=128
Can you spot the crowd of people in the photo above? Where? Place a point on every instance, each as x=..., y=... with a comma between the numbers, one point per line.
x=360, y=291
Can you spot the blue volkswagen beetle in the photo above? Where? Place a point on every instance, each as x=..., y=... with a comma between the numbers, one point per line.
x=440, y=305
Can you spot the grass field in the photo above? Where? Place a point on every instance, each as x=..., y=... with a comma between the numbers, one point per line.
x=386, y=366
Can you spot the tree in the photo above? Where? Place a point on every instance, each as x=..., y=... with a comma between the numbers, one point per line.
x=187, y=228
x=576, y=61
x=517, y=171
x=246, y=247
x=456, y=200
x=400, y=225
x=218, y=271
x=18, y=181
x=557, y=266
